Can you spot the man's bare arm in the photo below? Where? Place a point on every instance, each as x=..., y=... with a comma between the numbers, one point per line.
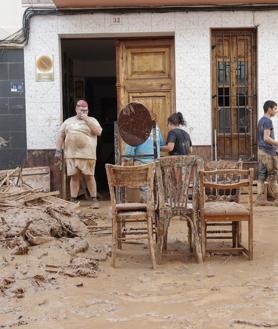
x=95, y=129
x=268, y=139
x=60, y=141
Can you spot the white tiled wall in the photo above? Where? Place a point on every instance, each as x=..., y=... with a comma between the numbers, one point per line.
x=192, y=62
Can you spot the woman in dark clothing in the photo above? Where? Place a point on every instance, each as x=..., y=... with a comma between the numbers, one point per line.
x=178, y=141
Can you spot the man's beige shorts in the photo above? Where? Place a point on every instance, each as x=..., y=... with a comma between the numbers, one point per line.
x=86, y=166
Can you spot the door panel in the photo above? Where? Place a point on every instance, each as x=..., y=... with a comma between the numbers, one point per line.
x=234, y=96
x=148, y=63
x=145, y=73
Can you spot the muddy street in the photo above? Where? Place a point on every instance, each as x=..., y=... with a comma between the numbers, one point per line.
x=224, y=292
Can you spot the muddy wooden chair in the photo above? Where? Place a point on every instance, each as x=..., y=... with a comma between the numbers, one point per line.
x=126, y=214
x=174, y=175
x=227, y=230
x=222, y=210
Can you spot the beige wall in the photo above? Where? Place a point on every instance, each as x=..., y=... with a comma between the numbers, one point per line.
x=11, y=12
x=192, y=33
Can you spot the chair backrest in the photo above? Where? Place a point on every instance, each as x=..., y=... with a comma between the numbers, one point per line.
x=130, y=177
x=223, y=164
x=228, y=195
x=175, y=174
x=220, y=184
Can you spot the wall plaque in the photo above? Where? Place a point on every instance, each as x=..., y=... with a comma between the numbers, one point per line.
x=44, y=68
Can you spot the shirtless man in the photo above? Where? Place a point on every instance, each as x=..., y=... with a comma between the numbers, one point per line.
x=78, y=135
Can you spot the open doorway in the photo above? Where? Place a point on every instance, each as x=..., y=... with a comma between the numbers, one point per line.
x=145, y=73
x=89, y=72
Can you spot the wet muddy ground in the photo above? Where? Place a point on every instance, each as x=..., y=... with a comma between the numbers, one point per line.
x=224, y=292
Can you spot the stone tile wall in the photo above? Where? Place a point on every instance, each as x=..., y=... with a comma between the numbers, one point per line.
x=12, y=108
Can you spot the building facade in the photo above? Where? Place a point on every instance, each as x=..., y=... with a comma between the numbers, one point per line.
x=217, y=67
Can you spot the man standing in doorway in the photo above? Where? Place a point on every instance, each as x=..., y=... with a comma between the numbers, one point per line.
x=79, y=134
x=267, y=154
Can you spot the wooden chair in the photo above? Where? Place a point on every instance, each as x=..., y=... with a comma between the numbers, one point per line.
x=174, y=176
x=216, y=231
x=222, y=210
x=127, y=213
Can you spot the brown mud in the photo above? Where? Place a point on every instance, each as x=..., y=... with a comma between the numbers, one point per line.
x=69, y=283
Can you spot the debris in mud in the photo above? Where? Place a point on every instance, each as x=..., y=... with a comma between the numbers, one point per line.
x=82, y=266
x=47, y=223
x=43, y=255
x=101, y=253
x=90, y=219
x=100, y=230
x=31, y=217
x=38, y=279
x=79, y=266
x=20, y=246
x=18, y=292
x=14, y=324
x=6, y=288
x=6, y=283
x=77, y=245
x=51, y=232
x=255, y=324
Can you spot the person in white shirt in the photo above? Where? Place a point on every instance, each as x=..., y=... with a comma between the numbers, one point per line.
x=77, y=136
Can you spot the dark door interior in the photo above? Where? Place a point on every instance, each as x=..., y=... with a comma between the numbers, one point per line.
x=89, y=72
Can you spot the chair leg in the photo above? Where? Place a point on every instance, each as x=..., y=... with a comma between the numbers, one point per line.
x=189, y=236
x=234, y=234
x=194, y=239
x=114, y=241
x=120, y=226
x=155, y=224
x=165, y=234
x=159, y=240
x=151, y=241
x=239, y=232
x=204, y=238
x=250, y=238
x=165, y=242
x=198, y=250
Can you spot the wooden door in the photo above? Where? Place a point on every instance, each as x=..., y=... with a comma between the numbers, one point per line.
x=145, y=74
x=234, y=99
